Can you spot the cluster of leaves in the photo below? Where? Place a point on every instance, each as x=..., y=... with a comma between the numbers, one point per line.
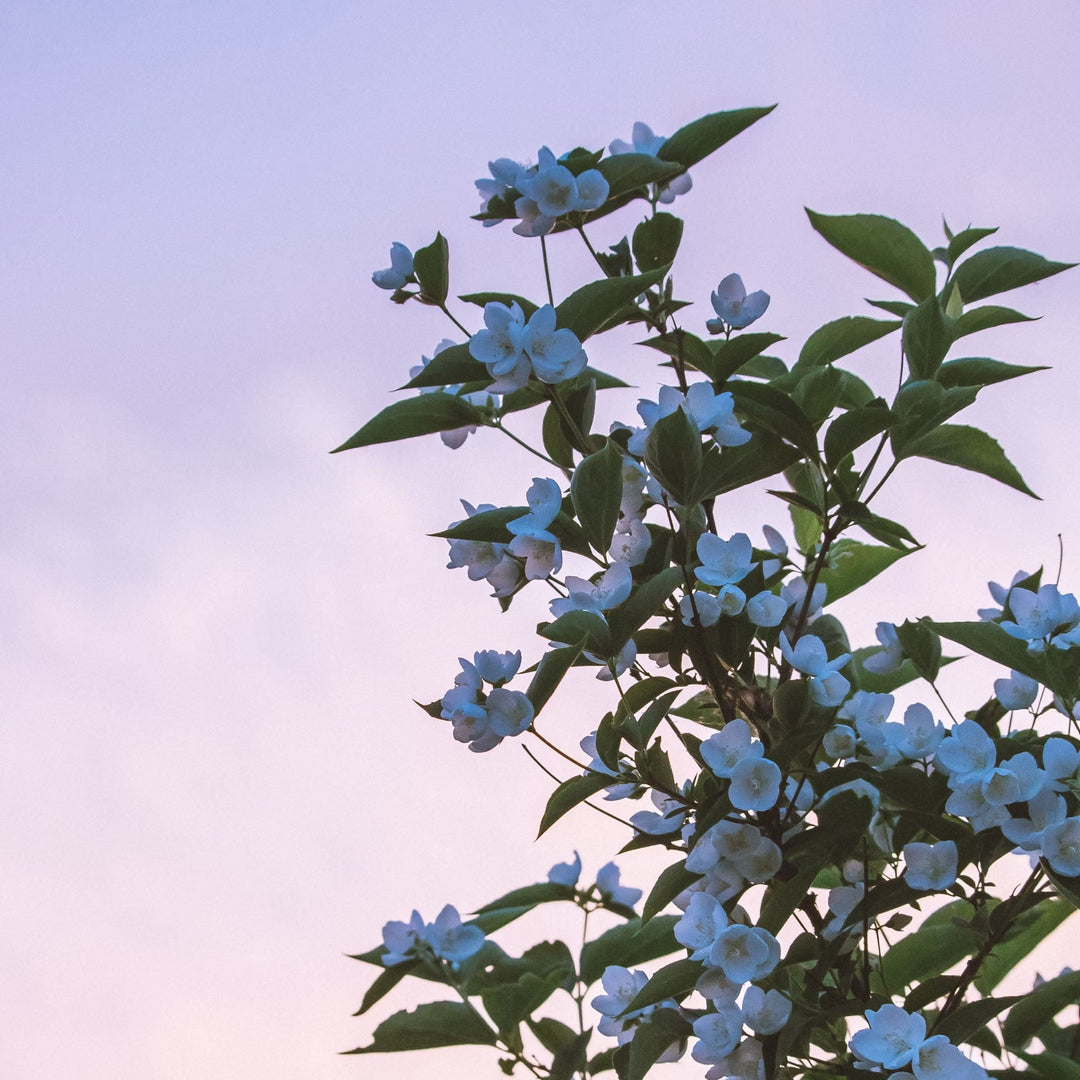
x=827, y=443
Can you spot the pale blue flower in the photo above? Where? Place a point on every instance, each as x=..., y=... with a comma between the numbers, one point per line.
x=1061, y=760
x=645, y=142
x=893, y=1038
x=765, y=1013
x=724, y=749
x=718, y=1033
x=400, y=271
x=1061, y=846
x=400, y=940
x=610, y=591
x=827, y=686
x=670, y=818
x=496, y=667
x=700, y=925
x=930, y=867
x=500, y=347
x=938, y=1059
x=510, y=712
x=1017, y=691
x=839, y=742
x=723, y=562
x=556, y=355
x=891, y=655
x=607, y=881
x=704, y=604
x=566, y=873
x=967, y=753
x=1045, y=809
x=922, y=734
x=1037, y=615
x=745, y=953
x=452, y=940
x=504, y=174
x=755, y=784
x=766, y=609
x=735, y=309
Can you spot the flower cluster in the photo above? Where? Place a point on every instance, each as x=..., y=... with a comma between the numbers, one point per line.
x=484, y=720
x=513, y=349
x=896, y=1039
x=484, y=399
x=447, y=938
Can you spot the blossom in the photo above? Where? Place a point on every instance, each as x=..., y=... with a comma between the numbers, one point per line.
x=670, y=819
x=718, y=1034
x=735, y=309
x=607, y=881
x=765, y=1013
x=724, y=749
x=702, y=604
x=400, y=271
x=401, y=939
x=1037, y=615
x=1061, y=846
x=891, y=1040
x=645, y=142
x=556, y=355
x=839, y=742
x=755, y=784
x=611, y=590
x=500, y=346
x=452, y=940
x=922, y=734
x=532, y=542
x=1018, y=691
x=550, y=190
x=967, y=753
x=700, y=925
x=510, y=712
x=622, y=986
x=930, y=867
x=495, y=667
x=766, y=609
x=708, y=410
x=891, y=655
x=827, y=686
x=745, y=952
x=723, y=562
x=938, y=1059
x=504, y=174
x=566, y=873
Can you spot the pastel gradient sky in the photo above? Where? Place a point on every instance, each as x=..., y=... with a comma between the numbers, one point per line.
x=213, y=782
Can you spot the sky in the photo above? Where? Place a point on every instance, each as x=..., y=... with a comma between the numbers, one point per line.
x=213, y=780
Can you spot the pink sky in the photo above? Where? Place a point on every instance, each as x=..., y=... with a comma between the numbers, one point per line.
x=213, y=780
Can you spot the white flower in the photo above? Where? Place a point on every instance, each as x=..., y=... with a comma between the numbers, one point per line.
x=735, y=309
x=765, y=1013
x=755, y=784
x=892, y=1039
x=891, y=655
x=1017, y=691
x=401, y=268
x=930, y=867
x=718, y=1034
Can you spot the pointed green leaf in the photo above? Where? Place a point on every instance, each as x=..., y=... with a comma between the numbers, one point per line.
x=999, y=269
x=652, y=1037
x=488, y=525
x=672, y=881
x=882, y=246
x=929, y=951
x=698, y=139
x=431, y=265
x=529, y=896
x=422, y=415
x=626, y=173
x=596, y=491
x=922, y=647
x=763, y=456
x=569, y=794
x=673, y=454
x=549, y=673
x=962, y=1024
x=383, y=984
x=959, y=243
x=629, y=945
x=482, y=299
x=1029, y=931
x=451, y=366
x=684, y=346
x=923, y=405
x=735, y=353
x=968, y=448
x=656, y=241
x=980, y=371
x=587, y=309
x=644, y=602
x=853, y=428
x=1047, y=1066
x=927, y=336
x=894, y=307
x=585, y=628
x=674, y=980
x=439, y=1023
x=982, y=318
x=774, y=411
x=989, y=640
x=1039, y=1007
x=851, y=564
x=841, y=337
x=569, y=1058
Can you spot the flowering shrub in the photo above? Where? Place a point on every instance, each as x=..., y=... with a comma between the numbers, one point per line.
x=807, y=826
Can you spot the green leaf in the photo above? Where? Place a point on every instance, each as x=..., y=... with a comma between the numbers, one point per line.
x=989, y=640
x=488, y=525
x=982, y=318
x=528, y=896
x=922, y=647
x=774, y=411
x=422, y=415
x=431, y=265
x=698, y=139
x=553, y=665
x=1067, y=887
x=674, y=980
x=852, y=429
x=644, y=602
x=652, y=1037
x=569, y=793
x=626, y=173
x=672, y=881
x=964, y=239
x=629, y=945
x=656, y=241
x=452, y=365
x=552, y=1034
x=782, y=898
x=763, y=456
x=1050, y=1066
x=968, y=448
x=851, y=564
x=1039, y=1007
x=383, y=984
x=927, y=952
x=885, y=684
x=439, y=1023
x=587, y=309
x=961, y=1025
x=1030, y=930
x=882, y=246
x=927, y=336
x=888, y=532
x=841, y=337
x=735, y=353
x=596, y=491
x=980, y=371
x=898, y=308
x=481, y=299
x=584, y=628
x=673, y=454
x=921, y=406
x=999, y=269
x=817, y=393
x=570, y=1058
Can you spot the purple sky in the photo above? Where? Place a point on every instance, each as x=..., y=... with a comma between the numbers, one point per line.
x=213, y=780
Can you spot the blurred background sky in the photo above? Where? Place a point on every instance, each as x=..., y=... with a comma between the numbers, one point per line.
x=213, y=781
